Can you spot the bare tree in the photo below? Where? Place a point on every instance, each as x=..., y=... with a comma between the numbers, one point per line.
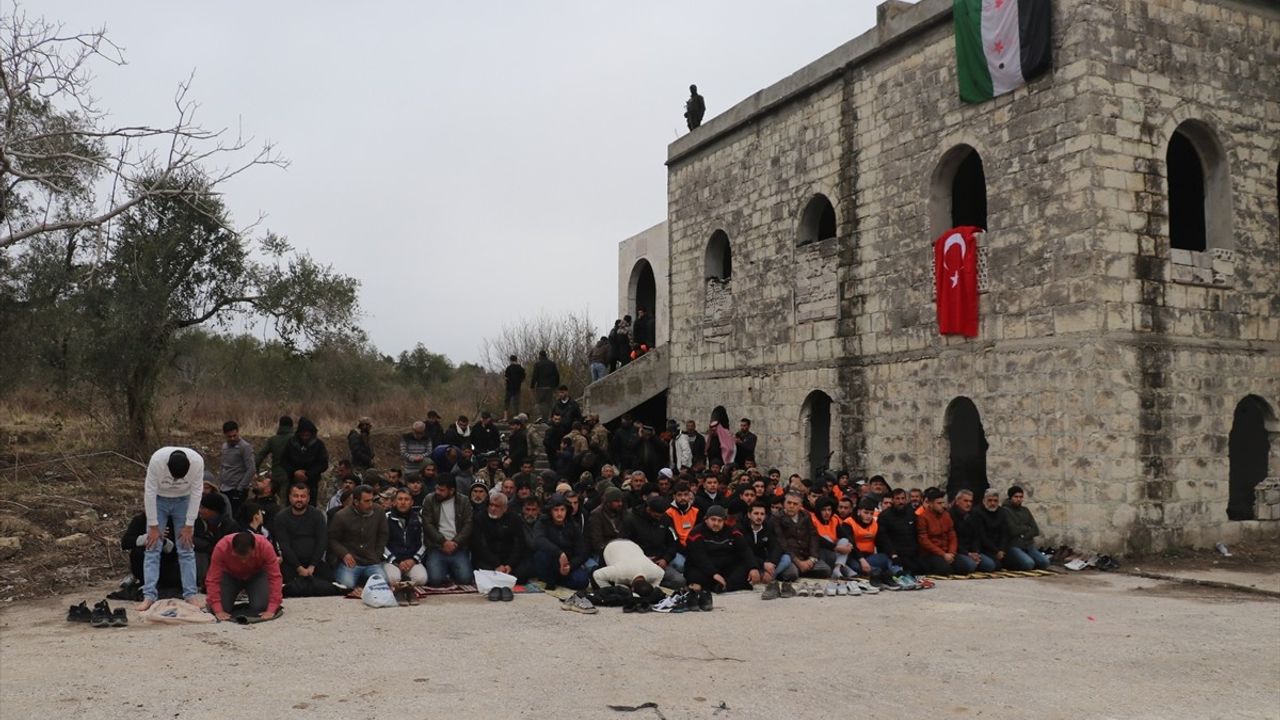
x=57, y=152
x=566, y=338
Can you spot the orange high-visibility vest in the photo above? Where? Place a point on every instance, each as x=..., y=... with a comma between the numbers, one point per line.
x=683, y=521
x=864, y=538
x=827, y=531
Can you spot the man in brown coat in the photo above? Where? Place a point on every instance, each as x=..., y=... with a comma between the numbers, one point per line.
x=796, y=542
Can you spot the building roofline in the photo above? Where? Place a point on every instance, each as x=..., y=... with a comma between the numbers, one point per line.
x=896, y=23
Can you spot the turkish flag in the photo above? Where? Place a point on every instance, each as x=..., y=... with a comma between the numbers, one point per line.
x=955, y=260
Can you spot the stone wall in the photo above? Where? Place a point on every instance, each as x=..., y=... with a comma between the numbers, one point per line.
x=650, y=246
x=1105, y=377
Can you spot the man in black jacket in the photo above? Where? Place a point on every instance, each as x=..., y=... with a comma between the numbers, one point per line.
x=302, y=534
x=544, y=380
x=719, y=556
x=360, y=445
x=484, y=435
x=518, y=443
x=306, y=458
x=559, y=550
x=746, y=442
x=514, y=378
x=897, y=534
x=497, y=539
x=993, y=528
x=755, y=530
x=969, y=557
x=211, y=526
x=650, y=527
x=406, y=549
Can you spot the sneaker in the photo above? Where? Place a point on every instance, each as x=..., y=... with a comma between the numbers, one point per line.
x=79, y=613
x=830, y=590
x=803, y=590
x=666, y=605
x=682, y=603
x=101, y=614
x=787, y=590
x=578, y=602
x=507, y=595
x=119, y=618
x=412, y=594
x=842, y=588
x=495, y=594
x=867, y=588
x=705, y=601
x=852, y=588
x=772, y=591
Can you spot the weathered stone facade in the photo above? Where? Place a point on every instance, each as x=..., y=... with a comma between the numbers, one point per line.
x=1108, y=364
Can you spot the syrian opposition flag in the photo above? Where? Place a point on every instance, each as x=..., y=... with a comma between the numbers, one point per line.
x=1000, y=45
x=955, y=260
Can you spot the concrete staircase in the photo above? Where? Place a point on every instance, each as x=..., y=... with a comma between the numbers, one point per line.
x=629, y=386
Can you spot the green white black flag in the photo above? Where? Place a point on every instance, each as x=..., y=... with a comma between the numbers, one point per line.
x=1000, y=45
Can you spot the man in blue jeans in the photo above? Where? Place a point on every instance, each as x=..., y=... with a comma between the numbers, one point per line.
x=446, y=523
x=357, y=539
x=1023, y=531
x=172, y=491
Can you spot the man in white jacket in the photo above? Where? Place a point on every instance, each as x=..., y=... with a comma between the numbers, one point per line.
x=625, y=564
x=173, y=488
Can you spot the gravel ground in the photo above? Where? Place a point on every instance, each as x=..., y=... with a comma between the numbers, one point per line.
x=1082, y=646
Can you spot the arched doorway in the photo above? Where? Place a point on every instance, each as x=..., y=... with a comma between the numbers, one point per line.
x=815, y=416
x=967, y=463
x=1247, y=450
x=642, y=290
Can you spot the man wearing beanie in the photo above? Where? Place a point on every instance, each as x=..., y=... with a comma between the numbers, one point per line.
x=605, y=522
x=719, y=557
x=171, y=492
x=649, y=526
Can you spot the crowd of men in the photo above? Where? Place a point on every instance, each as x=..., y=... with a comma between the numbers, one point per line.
x=629, y=507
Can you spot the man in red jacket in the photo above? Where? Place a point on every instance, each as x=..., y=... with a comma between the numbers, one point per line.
x=936, y=535
x=247, y=562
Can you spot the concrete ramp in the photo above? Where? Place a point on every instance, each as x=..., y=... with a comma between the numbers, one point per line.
x=629, y=386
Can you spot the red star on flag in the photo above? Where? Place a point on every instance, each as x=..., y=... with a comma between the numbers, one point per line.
x=999, y=4
x=999, y=47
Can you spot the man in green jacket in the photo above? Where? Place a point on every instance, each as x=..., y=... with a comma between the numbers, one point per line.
x=275, y=447
x=1023, y=531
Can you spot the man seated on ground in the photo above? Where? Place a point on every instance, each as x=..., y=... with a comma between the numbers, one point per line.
x=357, y=539
x=796, y=552
x=479, y=497
x=447, y=521
x=684, y=515
x=867, y=559
x=262, y=492
x=302, y=535
x=936, y=535
x=1022, y=554
x=719, y=557
x=405, y=546
x=559, y=550
x=497, y=540
x=344, y=501
x=394, y=478
x=709, y=494
x=417, y=488
x=634, y=495
x=530, y=514
x=211, y=526
x=491, y=474
x=896, y=536
x=344, y=483
x=755, y=530
x=969, y=557
x=415, y=448
x=604, y=525
x=992, y=524
x=244, y=562
x=827, y=527
x=134, y=541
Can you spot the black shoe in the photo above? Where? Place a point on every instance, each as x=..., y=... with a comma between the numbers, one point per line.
x=629, y=607
x=507, y=595
x=119, y=618
x=705, y=602
x=495, y=594
x=101, y=615
x=79, y=613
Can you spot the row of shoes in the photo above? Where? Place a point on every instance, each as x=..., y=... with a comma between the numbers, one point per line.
x=102, y=615
x=503, y=594
x=686, y=601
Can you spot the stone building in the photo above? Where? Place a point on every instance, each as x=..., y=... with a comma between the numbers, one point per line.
x=1127, y=370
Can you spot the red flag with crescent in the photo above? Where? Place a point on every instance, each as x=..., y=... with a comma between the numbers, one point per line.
x=955, y=259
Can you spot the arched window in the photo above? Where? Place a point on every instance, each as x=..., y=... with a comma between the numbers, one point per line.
x=967, y=464
x=719, y=261
x=958, y=191
x=815, y=417
x=1199, y=187
x=1248, y=448
x=817, y=221
x=642, y=290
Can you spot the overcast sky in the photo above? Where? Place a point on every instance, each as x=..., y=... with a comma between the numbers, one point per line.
x=470, y=163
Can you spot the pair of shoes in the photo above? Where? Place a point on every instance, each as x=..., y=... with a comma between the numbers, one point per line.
x=578, y=602
x=79, y=613
x=667, y=604
x=103, y=616
x=495, y=594
x=771, y=591
x=787, y=590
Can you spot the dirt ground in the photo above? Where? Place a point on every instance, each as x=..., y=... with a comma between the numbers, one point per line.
x=1090, y=645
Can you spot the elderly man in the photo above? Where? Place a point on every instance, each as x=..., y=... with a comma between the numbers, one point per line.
x=172, y=492
x=796, y=552
x=447, y=521
x=969, y=557
x=415, y=448
x=357, y=539
x=497, y=540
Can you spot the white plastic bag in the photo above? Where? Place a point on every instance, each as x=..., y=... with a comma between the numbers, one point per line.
x=487, y=580
x=377, y=593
